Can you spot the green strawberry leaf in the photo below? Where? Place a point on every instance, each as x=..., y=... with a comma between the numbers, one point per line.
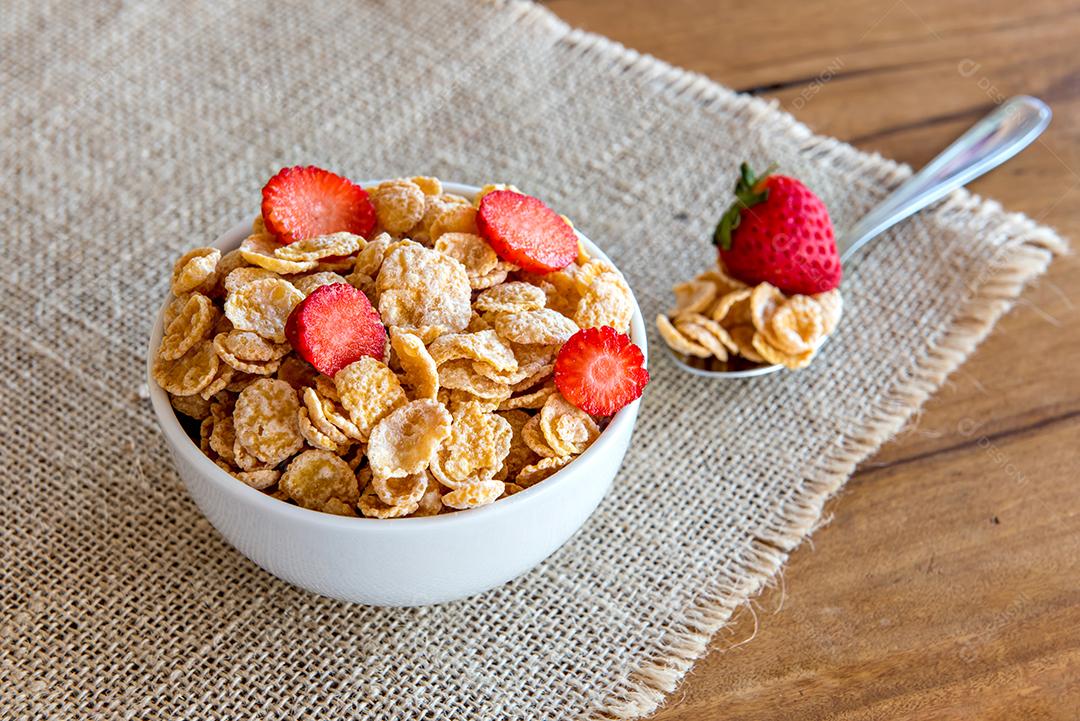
x=750, y=190
x=729, y=221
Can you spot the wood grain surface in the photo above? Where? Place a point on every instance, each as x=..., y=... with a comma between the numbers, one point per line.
x=946, y=584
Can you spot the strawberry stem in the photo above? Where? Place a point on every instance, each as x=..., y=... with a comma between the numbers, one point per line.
x=749, y=191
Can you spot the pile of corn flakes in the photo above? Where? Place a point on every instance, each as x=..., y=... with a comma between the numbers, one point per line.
x=461, y=411
x=721, y=318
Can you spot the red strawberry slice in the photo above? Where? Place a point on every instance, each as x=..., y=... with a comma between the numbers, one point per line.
x=335, y=326
x=777, y=231
x=600, y=371
x=524, y=231
x=305, y=202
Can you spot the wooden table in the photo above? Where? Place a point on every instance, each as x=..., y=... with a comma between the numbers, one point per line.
x=947, y=584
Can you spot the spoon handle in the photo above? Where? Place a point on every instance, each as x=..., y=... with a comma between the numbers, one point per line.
x=1010, y=128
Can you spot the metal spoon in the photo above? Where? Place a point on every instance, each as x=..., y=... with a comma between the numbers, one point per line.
x=1010, y=128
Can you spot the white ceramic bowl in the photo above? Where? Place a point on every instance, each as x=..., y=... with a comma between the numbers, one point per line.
x=407, y=561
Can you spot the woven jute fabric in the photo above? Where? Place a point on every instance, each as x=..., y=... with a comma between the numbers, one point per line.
x=135, y=131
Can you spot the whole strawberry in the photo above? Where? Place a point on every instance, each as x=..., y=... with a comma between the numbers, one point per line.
x=777, y=231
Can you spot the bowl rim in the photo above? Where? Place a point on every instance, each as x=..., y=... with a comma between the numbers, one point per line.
x=621, y=423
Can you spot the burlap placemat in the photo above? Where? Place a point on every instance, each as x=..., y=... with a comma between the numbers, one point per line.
x=136, y=131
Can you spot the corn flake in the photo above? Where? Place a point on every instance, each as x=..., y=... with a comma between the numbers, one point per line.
x=240, y=381
x=541, y=470
x=531, y=400
x=477, y=323
x=191, y=323
x=474, y=495
x=339, y=418
x=196, y=270
x=366, y=285
x=707, y=333
x=725, y=283
x=423, y=292
x=315, y=478
x=430, y=503
x=520, y=454
x=261, y=250
x=316, y=415
x=263, y=306
x=223, y=438
x=479, y=441
x=535, y=327
x=733, y=308
x=607, y=301
x=373, y=507
x=245, y=460
x=470, y=250
x=249, y=352
x=417, y=364
x=694, y=296
x=764, y=300
x=265, y=418
x=402, y=443
x=173, y=308
x=435, y=206
x=327, y=388
x=369, y=391
x=567, y=430
x=296, y=372
x=400, y=491
x=336, y=264
x=430, y=186
x=399, y=204
x=459, y=398
x=188, y=374
x=370, y=259
x=194, y=406
x=229, y=262
x=315, y=437
x=511, y=297
x=533, y=437
x=743, y=337
x=260, y=480
x=677, y=341
x=495, y=277
x=832, y=306
x=483, y=346
x=222, y=379
x=797, y=326
x=707, y=325
x=534, y=363
x=452, y=218
x=321, y=247
x=770, y=354
x=460, y=375
x=306, y=284
x=240, y=277
x=560, y=287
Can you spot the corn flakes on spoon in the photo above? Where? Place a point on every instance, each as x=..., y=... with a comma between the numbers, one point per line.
x=1003, y=133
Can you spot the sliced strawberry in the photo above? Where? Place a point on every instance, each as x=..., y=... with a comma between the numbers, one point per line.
x=600, y=370
x=305, y=202
x=335, y=326
x=524, y=231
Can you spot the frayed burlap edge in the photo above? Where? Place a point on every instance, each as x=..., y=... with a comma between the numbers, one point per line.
x=1026, y=251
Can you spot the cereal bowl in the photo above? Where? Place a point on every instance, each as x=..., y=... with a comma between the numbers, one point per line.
x=404, y=561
